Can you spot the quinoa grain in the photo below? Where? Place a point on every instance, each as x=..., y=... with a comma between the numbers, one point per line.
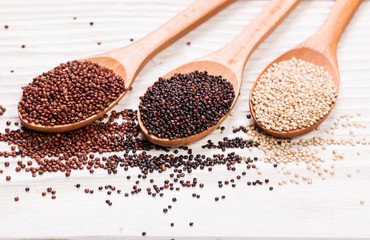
x=293, y=94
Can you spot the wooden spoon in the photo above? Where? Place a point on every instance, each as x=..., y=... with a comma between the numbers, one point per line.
x=229, y=61
x=129, y=60
x=321, y=50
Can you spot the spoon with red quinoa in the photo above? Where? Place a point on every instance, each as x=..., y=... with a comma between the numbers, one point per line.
x=76, y=93
x=192, y=100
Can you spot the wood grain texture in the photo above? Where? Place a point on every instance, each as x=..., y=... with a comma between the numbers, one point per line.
x=325, y=209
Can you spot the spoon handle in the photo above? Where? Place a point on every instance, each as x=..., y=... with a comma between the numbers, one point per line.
x=236, y=53
x=137, y=54
x=331, y=30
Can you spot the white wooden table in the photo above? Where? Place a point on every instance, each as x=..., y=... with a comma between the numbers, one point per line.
x=325, y=209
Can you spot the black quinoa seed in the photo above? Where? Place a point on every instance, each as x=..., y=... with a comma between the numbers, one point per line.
x=185, y=104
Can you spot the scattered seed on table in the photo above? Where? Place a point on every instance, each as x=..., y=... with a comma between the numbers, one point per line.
x=8, y=178
x=16, y=199
x=91, y=23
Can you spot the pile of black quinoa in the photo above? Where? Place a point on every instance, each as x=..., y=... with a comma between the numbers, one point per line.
x=185, y=104
x=69, y=93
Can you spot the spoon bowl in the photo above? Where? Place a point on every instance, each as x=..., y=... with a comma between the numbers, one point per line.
x=213, y=68
x=104, y=61
x=308, y=55
x=321, y=50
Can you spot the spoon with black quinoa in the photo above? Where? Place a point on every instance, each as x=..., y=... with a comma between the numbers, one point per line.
x=76, y=93
x=192, y=100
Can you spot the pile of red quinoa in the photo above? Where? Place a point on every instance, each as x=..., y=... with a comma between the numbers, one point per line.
x=69, y=93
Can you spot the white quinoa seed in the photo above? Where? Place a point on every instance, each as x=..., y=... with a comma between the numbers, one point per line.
x=293, y=94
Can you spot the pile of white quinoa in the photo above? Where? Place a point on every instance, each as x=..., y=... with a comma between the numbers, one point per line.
x=293, y=94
